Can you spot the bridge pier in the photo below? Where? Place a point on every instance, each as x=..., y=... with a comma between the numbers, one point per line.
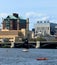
x=37, y=44
x=12, y=44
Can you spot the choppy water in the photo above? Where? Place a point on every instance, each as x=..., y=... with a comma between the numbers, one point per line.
x=13, y=56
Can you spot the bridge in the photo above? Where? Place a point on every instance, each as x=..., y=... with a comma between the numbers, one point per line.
x=48, y=44
x=39, y=44
x=31, y=44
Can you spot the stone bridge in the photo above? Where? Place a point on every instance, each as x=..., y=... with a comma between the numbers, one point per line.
x=31, y=44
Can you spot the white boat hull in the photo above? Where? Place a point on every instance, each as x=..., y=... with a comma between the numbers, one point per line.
x=25, y=50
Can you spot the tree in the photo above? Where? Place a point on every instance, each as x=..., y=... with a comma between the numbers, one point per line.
x=40, y=39
x=6, y=40
x=20, y=34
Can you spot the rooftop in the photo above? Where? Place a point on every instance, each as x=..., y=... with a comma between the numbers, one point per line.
x=43, y=21
x=11, y=17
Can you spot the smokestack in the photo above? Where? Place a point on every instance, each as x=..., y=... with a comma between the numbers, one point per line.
x=15, y=14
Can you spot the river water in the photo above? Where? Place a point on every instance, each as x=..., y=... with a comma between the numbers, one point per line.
x=15, y=56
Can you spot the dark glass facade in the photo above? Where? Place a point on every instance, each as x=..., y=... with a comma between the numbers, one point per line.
x=14, y=23
x=22, y=24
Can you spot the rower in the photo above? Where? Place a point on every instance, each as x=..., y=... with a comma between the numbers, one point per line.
x=26, y=46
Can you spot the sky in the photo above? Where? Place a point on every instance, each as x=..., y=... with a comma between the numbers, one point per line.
x=33, y=9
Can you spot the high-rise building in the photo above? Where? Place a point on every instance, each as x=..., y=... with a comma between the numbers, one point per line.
x=14, y=22
x=14, y=27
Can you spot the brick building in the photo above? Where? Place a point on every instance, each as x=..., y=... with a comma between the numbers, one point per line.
x=14, y=22
x=14, y=27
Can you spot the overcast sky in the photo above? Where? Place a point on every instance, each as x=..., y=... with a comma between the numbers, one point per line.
x=34, y=9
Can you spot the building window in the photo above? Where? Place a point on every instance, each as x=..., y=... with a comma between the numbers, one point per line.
x=37, y=21
x=36, y=32
x=37, y=28
x=44, y=21
x=42, y=28
x=47, y=21
x=40, y=21
x=48, y=28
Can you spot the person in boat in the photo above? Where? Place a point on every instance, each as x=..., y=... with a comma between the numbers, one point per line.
x=26, y=43
x=42, y=58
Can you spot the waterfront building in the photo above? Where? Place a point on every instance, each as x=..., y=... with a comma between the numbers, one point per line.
x=7, y=34
x=14, y=22
x=12, y=35
x=45, y=28
x=14, y=27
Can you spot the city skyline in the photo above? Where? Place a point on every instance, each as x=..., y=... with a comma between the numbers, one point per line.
x=34, y=10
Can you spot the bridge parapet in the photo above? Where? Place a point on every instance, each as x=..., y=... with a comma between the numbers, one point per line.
x=49, y=42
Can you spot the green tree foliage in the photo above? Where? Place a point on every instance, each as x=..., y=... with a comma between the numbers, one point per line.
x=40, y=39
x=32, y=39
x=20, y=34
x=6, y=40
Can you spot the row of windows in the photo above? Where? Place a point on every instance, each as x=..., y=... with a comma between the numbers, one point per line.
x=40, y=32
x=42, y=28
x=42, y=21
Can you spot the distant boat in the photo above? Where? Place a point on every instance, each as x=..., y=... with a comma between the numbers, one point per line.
x=25, y=50
x=42, y=59
x=26, y=46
